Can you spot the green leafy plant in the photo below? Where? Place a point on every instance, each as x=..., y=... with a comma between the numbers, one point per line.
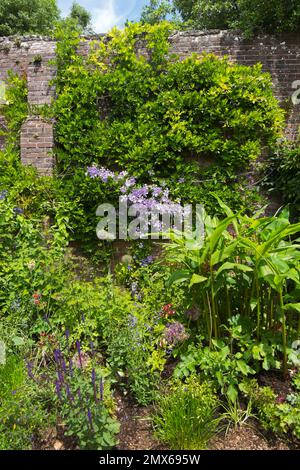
x=282, y=173
x=20, y=421
x=253, y=258
x=276, y=412
x=186, y=415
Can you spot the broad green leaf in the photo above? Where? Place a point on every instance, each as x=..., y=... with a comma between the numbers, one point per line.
x=179, y=276
x=232, y=266
x=197, y=279
x=232, y=393
x=18, y=341
x=292, y=307
x=228, y=212
x=214, y=238
x=220, y=255
x=242, y=366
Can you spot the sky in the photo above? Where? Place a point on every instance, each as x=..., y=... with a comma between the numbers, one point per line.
x=107, y=13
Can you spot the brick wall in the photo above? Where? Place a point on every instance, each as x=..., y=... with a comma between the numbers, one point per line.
x=279, y=56
x=20, y=54
x=37, y=144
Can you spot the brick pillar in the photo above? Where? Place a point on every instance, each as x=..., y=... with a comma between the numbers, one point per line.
x=37, y=145
x=37, y=140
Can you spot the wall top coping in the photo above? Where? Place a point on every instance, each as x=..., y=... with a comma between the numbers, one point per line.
x=187, y=33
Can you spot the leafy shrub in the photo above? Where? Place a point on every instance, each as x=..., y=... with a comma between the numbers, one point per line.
x=15, y=110
x=31, y=252
x=20, y=420
x=283, y=174
x=222, y=368
x=81, y=389
x=241, y=255
x=185, y=416
x=277, y=413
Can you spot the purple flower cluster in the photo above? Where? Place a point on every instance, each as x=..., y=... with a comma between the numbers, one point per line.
x=146, y=199
x=18, y=211
x=66, y=386
x=132, y=321
x=175, y=333
x=103, y=173
x=146, y=261
x=127, y=184
x=67, y=389
x=3, y=194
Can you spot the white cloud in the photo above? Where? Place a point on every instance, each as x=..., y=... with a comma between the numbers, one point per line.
x=111, y=14
x=106, y=13
x=106, y=17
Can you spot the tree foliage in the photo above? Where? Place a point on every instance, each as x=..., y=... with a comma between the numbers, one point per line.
x=81, y=15
x=250, y=16
x=156, y=11
x=25, y=17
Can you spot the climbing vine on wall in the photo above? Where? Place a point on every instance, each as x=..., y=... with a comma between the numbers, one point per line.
x=132, y=104
x=128, y=103
x=194, y=125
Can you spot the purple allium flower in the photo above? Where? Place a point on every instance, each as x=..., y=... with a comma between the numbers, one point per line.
x=193, y=313
x=175, y=333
